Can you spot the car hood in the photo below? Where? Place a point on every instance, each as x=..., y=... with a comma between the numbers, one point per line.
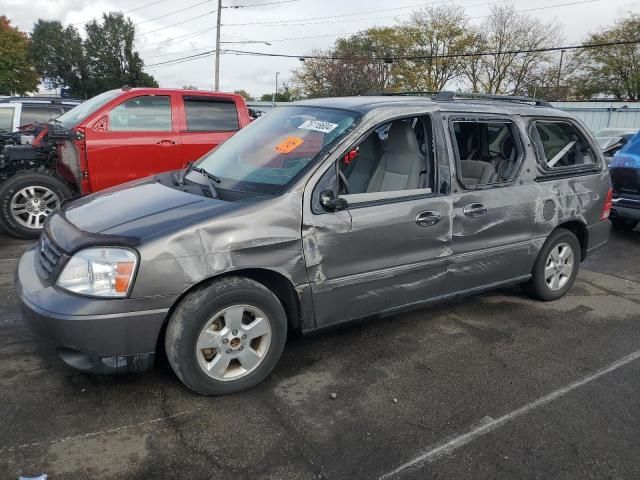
x=142, y=209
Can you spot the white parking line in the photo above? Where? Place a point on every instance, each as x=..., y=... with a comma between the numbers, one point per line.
x=448, y=446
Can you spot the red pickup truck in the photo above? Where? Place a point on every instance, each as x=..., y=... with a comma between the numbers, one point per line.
x=117, y=136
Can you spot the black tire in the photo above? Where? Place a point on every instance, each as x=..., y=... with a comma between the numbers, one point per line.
x=197, y=308
x=623, y=224
x=10, y=187
x=537, y=286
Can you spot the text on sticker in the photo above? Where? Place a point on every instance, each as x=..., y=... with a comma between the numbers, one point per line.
x=289, y=144
x=318, y=126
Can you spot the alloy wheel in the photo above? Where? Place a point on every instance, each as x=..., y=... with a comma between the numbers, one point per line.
x=31, y=205
x=559, y=266
x=234, y=342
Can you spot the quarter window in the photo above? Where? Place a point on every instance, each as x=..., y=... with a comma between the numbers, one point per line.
x=36, y=113
x=210, y=115
x=562, y=145
x=6, y=119
x=488, y=152
x=147, y=113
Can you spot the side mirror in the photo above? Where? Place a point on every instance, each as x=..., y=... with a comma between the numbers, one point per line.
x=330, y=202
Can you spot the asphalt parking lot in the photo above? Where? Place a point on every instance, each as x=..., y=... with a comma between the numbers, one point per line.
x=495, y=386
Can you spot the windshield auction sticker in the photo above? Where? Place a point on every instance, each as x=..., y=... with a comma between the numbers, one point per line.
x=318, y=126
x=289, y=144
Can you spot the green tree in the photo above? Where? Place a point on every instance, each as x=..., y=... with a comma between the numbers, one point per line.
x=286, y=93
x=59, y=57
x=613, y=70
x=111, y=59
x=435, y=33
x=357, y=66
x=244, y=94
x=17, y=75
x=189, y=87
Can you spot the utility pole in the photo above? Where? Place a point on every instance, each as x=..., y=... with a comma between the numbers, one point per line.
x=273, y=97
x=216, y=85
x=559, y=74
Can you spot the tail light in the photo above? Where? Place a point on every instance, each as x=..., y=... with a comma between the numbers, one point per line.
x=606, y=209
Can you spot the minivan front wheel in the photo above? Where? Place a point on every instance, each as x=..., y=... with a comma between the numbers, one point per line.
x=226, y=337
x=556, y=267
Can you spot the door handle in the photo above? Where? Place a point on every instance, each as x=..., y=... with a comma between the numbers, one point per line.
x=428, y=218
x=474, y=210
x=166, y=143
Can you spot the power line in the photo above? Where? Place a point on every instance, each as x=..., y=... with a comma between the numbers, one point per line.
x=362, y=12
x=144, y=6
x=172, y=39
x=173, y=13
x=427, y=57
x=401, y=57
x=261, y=4
x=179, y=23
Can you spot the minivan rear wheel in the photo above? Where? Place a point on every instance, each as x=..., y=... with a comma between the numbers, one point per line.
x=556, y=267
x=226, y=336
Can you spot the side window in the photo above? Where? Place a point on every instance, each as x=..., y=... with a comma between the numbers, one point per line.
x=487, y=152
x=38, y=113
x=395, y=157
x=562, y=145
x=147, y=113
x=6, y=119
x=206, y=114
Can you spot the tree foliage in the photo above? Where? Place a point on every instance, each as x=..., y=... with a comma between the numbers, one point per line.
x=111, y=59
x=508, y=31
x=611, y=70
x=17, y=75
x=106, y=59
x=286, y=93
x=244, y=94
x=58, y=55
x=435, y=33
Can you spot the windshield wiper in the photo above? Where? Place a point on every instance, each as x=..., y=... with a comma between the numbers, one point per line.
x=210, y=179
x=183, y=173
x=210, y=176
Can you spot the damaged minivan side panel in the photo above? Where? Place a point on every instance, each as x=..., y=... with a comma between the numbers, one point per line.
x=374, y=256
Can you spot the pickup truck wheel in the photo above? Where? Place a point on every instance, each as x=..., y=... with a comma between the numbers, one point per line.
x=226, y=337
x=26, y=199
x=556, y=267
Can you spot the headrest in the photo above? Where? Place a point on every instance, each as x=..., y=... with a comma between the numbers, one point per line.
x=402, y=138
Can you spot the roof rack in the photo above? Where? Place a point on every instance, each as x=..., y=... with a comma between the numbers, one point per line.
x=446, y=95
x=408, y=93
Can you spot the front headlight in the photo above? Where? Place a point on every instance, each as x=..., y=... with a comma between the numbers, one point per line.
x=99, y=271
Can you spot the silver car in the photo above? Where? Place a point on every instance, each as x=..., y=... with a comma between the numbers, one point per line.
x=320, y=213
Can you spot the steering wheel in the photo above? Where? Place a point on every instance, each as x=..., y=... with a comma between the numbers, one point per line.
x=343, y=181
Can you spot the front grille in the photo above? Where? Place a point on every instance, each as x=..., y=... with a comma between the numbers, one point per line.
x=48, y=254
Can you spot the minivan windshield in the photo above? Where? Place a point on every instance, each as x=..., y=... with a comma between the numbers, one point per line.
x=271, y=153
x=74, y=116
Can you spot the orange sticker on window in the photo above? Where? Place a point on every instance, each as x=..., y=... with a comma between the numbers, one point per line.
x=289, y=144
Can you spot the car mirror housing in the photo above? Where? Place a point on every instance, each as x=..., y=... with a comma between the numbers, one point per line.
x=331, y=203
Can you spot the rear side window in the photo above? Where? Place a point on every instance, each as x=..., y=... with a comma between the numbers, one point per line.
x=562, y=145
x=488, y=151
x=37, y=113
x=148, y=113
x=6, y=119
x=210, y=115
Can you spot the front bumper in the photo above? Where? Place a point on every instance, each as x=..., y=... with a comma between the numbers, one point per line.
x=90, y=334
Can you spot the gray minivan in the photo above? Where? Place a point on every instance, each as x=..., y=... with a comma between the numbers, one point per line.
x=318, y=213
